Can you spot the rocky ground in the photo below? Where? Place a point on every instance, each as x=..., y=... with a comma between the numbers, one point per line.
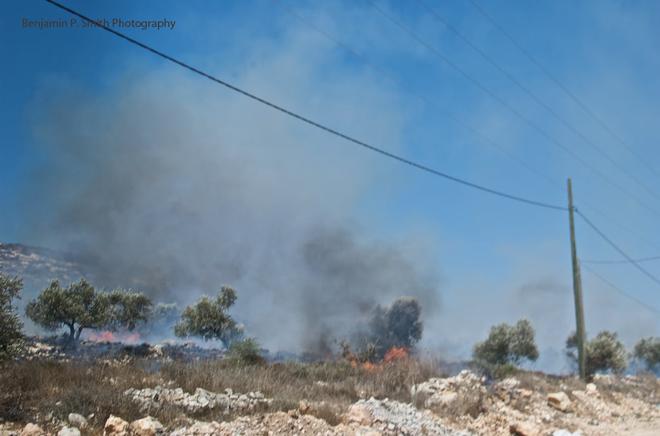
x=322, y=403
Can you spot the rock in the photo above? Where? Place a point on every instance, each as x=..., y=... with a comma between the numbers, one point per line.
x=115, y=426
x=31, y=429
x=392, y=417
x=560, y=401
x=591, y=389
x=68, y=431
x=564, y=432
x=441, y=399
x=77, y=420
x=359, y=414
x=200, y=400
x=199, y=428
x=524, y=429
x=304, y=407
x=147, y=427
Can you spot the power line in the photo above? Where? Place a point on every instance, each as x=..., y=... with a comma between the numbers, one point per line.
x=308, y=121
x=460, y=122
x=621, y=291
x=564, y=88
x=507, y=106
x=617, y=248
x=612, y=262
x=363, y=58
x=645, y=239
x=531, y=94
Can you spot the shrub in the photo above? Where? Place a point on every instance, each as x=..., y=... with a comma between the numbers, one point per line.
x=208, y=319
x=79, y=306
x=245, y=352
x=397, y=325
x=647, y=350
x=10, y=324
x=505, y=347
x=604, y=353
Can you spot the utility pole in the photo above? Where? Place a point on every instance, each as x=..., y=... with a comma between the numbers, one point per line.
x=577, y=290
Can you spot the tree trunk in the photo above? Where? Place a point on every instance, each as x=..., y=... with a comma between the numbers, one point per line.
x=72, y=332
x=80, y=328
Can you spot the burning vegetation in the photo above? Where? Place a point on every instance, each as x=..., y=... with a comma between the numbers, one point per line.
x=101, y=373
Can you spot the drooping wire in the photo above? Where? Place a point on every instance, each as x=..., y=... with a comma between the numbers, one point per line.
x=617, y=248
x=529, y=122
x=612, y=262
x=460, y=122
x=531, y=94
x=309, y=121
x=564, y=88
x=619, y=290
x=363, y=58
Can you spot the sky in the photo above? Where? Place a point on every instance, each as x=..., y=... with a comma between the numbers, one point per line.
x=91, y=123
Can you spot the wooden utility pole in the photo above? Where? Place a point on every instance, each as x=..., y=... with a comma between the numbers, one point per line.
x=577, y=291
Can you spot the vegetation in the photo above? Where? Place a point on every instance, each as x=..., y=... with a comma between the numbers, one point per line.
x=79, y=306
x=397, y=325
x=506, y=347
x=245, y=352
x=604, y=353
x=31, y=387
x=10, y=324
x=647, y=350
x=209, y=320
x=128, y=309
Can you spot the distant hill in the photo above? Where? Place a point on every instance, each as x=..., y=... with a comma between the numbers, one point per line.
x=38, y=266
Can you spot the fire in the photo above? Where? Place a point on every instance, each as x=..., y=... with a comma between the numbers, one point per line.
x=108, y=336
x=392, y=355
x=395, y=353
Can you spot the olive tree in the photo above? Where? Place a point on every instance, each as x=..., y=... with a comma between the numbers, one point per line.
x=209, y=320
x=507, y=345
x=647, y=350
x=396, y=325
x=80, y=306
x=603, y=353
x=128, y=309
x=10, y=324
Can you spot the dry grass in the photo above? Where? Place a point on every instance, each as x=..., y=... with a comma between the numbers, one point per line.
x=33, y=389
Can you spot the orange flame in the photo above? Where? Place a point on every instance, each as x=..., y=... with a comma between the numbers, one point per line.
x=108, y=336
x=395, y=353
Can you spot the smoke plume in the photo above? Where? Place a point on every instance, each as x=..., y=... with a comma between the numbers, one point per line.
x=167, y=183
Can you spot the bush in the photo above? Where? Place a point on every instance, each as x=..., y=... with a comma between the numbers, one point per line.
x=79, y=306
x=397, y=325
x=208, y=319
x=506, y=346
x=647, y=350
x=10, y=324
x=245, y=352
x=604, y=353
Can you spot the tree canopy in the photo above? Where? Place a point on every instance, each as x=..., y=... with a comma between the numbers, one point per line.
x=79, y=306
x=209, y=320
x=397, y=325
x=10, y=324
x=507, y=345
x=603, y=353
x=647, y=350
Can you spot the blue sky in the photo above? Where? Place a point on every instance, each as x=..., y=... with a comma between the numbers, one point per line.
x=497, y=259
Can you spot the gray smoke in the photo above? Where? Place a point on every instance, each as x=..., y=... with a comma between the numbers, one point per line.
x=167, y=183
